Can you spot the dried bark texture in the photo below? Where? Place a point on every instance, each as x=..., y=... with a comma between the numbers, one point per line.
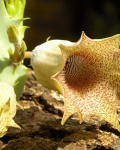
x=41, y=128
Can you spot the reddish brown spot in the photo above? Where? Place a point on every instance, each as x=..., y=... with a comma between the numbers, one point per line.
x=80, y=71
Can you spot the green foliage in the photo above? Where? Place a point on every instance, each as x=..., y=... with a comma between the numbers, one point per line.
x=12, y=46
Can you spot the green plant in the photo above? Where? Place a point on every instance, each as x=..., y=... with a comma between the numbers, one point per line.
x=12, y=48
x=86, y=73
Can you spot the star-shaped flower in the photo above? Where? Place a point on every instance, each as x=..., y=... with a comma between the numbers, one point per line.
x=88, y=76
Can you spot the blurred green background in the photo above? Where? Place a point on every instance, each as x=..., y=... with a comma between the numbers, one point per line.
x=65, y=19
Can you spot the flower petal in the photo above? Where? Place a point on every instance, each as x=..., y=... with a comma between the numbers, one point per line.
x=90, y=78
x=87, y=73
x=7, y=107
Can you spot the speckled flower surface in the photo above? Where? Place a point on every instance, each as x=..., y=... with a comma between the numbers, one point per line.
x=90, y=78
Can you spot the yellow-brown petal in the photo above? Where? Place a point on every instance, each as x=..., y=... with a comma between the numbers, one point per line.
x=90, y=78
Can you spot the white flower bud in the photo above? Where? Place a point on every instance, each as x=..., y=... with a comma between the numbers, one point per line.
x=47, y=61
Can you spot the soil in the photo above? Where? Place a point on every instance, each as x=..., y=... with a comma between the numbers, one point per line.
x=41, y=129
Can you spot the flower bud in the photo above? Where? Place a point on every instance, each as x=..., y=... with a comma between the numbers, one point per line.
x=47, y=61
x=13, y=34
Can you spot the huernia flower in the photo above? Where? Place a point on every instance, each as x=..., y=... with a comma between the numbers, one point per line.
x=87, y=73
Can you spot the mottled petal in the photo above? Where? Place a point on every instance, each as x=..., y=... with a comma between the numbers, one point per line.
x=87, y=73
x=90, y=79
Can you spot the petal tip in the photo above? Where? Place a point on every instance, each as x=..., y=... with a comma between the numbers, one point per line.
x=65, y=117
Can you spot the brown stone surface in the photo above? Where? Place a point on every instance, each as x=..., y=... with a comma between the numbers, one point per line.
x=41, y=129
